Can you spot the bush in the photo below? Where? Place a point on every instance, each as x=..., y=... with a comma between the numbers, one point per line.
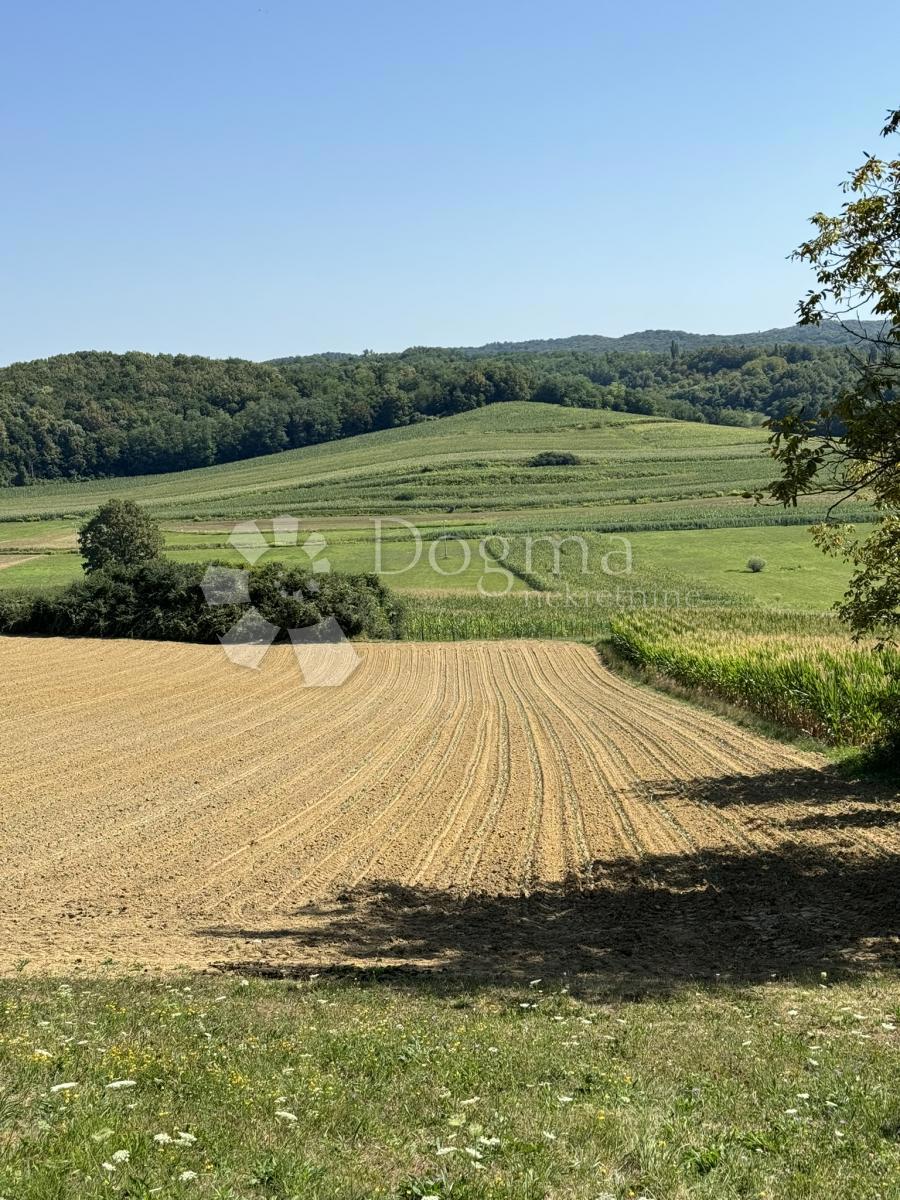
x=554, y=458
x=15, y=611
x=163, y=600
x=756, y=565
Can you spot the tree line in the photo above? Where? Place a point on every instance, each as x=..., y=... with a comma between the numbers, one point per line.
x=94, y=414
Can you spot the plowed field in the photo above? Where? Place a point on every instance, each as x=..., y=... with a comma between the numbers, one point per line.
x=460, y=804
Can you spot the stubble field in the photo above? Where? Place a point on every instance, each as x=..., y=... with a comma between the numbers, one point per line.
x=450, y=806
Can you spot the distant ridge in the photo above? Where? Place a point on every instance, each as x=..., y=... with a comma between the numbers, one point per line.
x=829, y=333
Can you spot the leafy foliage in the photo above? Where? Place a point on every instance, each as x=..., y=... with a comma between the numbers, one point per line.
x=673, y=341
x=856, y=257
x=162, y=600
x=119, y=533
x=554, y=458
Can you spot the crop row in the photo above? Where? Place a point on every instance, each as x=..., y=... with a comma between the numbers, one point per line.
x=785, y=667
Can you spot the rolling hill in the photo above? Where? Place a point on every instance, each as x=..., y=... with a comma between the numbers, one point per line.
x=469, y=476
x=659, y=341
x=471, y=462
x=94, y=414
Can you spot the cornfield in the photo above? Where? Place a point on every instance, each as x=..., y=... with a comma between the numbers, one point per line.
x=784, y=667
x=463, y=616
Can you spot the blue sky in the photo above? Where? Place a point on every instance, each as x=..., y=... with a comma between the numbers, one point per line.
x=265, y=178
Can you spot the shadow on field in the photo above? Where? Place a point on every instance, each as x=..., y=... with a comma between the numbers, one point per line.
x=826, y=899
x=807, y=790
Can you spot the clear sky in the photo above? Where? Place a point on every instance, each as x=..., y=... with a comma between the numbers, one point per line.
x=266, y=177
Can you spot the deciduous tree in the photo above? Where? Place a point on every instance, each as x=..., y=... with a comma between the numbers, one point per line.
x=856, y=259
x=118, y=534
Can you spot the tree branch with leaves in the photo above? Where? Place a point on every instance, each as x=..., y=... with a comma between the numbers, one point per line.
x=853, y=448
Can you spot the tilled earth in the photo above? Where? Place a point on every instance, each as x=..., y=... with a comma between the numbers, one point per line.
x=472, y=809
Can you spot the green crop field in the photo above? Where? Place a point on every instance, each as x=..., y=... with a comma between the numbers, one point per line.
x=476, y=461
x=676, y=489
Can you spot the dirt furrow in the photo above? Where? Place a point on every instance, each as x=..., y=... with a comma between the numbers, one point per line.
x=156, y=792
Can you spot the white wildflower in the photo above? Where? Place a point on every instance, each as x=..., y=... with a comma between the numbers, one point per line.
x=187, y=1176
x=565, y=1099
x=285, y=1114
x=162, y=1139
x=120, y=1156
x=63, y=1087
x=121, y=1083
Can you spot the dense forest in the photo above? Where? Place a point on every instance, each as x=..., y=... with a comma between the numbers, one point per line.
x=827, y=333
x=94, y=414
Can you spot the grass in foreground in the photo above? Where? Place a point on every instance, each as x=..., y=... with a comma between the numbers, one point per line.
x=332, y=1091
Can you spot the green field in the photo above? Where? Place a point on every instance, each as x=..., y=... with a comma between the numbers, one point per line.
x=475, y=462
x=676, y=489
x=334, y=1091
x=796, y=575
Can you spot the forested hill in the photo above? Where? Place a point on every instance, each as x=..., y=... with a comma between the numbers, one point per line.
x=829, y=333
x=94, y=413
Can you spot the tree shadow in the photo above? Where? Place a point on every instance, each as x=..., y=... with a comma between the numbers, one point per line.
x=827, y=791
x=826, y=898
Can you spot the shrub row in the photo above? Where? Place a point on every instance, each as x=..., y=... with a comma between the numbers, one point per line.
x=163, y=600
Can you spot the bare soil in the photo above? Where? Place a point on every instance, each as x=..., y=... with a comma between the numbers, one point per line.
x=473, y=808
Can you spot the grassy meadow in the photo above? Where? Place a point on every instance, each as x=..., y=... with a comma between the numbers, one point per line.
x=328, y=1090
x=676, y=489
